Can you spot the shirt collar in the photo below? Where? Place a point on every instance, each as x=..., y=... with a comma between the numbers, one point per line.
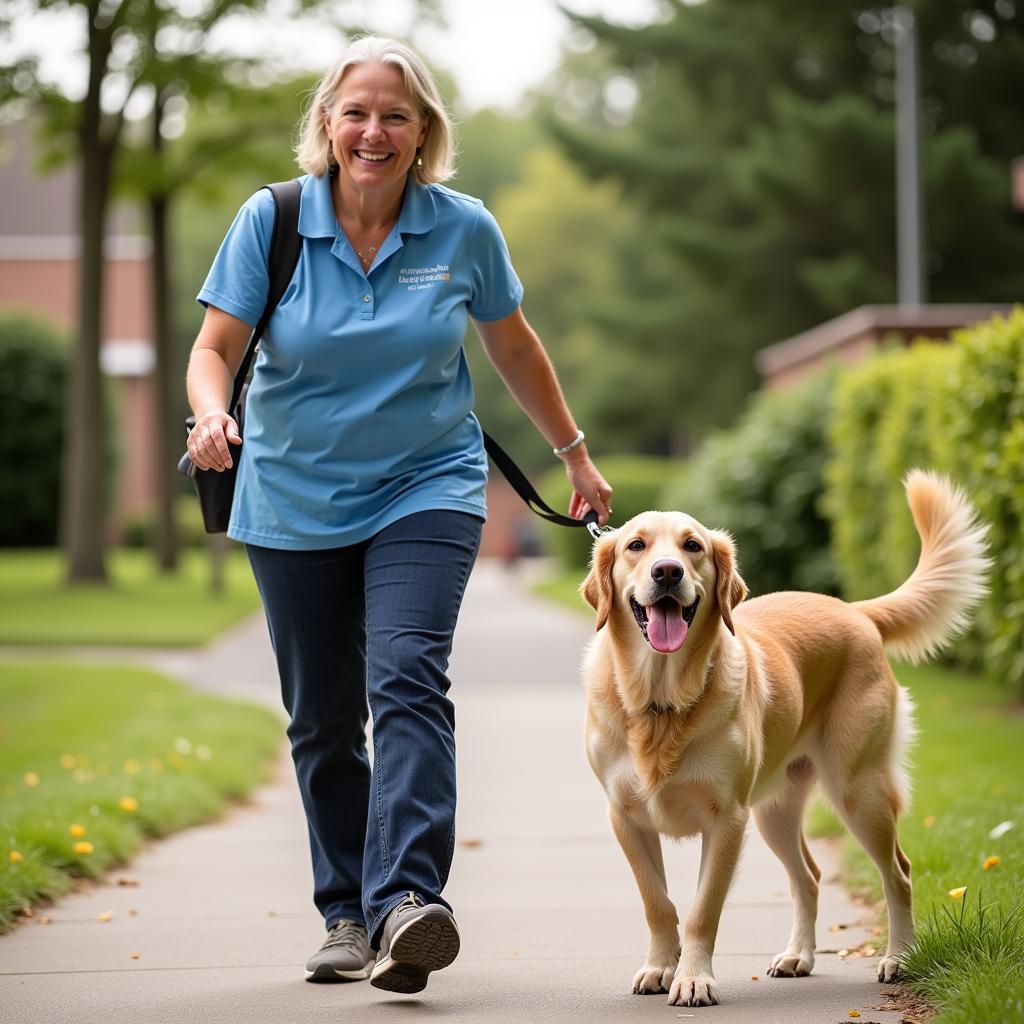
x=316, y=210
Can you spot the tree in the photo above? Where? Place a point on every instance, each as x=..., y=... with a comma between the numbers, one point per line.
x=761, y=155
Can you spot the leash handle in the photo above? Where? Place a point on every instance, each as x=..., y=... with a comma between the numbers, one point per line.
x=522, y=486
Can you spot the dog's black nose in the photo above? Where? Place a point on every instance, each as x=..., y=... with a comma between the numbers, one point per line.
x=666, y=571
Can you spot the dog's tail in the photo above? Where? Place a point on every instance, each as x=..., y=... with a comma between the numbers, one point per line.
x=933, y=606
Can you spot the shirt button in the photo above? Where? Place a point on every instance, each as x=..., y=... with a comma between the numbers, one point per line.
x=366, y=298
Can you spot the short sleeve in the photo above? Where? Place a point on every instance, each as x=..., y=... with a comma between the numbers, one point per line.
x=238, y=281
x=497, y=290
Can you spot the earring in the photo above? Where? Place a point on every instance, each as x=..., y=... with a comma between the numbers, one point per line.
x=419, y=160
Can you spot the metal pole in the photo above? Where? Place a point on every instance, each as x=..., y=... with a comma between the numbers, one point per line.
x=912, y=282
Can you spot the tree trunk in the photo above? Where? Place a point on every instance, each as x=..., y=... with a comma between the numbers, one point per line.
x=168, y=429
x=83, y=498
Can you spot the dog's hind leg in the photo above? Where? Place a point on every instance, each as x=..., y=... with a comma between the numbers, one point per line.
x=780, y=822
x=642, y=848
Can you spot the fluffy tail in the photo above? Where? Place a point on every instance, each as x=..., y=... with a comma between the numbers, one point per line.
x=933, y=606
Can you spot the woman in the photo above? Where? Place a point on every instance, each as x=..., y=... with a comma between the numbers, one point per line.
x=360, y=492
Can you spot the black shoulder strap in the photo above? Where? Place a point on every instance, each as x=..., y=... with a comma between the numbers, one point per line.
x=285, y=246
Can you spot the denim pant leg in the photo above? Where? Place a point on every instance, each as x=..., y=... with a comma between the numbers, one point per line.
x=314, y=602
x=416, y=573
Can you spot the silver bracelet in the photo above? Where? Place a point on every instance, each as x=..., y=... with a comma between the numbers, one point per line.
x=574, y=443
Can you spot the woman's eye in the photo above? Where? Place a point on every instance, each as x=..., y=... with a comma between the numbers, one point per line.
x=397, y=118
x=692, y=546
x=636, y=545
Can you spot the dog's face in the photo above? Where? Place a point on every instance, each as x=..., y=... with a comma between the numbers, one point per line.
x=667, y=571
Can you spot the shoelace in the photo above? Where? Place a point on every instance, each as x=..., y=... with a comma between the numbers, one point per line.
x=345, y=935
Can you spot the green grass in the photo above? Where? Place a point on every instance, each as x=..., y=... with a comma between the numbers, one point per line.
x=141, y=607
x=75, y=741
x=563, y=587
x=967, y=768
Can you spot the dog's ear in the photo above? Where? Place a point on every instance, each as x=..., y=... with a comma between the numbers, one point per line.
x=597, y=587
x=730, y=589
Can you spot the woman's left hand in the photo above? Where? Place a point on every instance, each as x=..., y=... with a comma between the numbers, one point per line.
x=590, y=490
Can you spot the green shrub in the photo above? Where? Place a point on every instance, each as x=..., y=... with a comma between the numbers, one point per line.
x=958, y=408
x=762, y=481
x=638, y=482
x=985, y=439
x=890, y=414
x=33, y=372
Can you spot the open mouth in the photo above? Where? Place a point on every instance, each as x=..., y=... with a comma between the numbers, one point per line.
x=372, y=158
x=665, y=623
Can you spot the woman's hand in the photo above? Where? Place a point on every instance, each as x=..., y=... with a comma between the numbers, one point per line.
x=590, y=490
x=208, y=441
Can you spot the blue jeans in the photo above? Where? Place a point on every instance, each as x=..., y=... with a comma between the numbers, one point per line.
x=373, y=621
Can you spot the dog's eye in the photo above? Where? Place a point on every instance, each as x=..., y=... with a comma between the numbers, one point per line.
x=636, y=545
x=692, y=546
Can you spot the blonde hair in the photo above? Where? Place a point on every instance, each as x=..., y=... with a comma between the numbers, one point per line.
x=313, y=152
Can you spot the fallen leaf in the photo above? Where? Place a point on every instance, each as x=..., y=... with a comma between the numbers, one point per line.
x=105, y=916
x=45, y=920
x=128, y=883
x=853, y=1013
x=132, y=912
x=754, y=977
x=135, y=956
x=990, y=862
x=843, y=954
x=472, y=843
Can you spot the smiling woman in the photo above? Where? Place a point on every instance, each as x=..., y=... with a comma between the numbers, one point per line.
x=361, y=482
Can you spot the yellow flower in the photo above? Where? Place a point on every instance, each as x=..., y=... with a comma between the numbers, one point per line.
x=77, y=830
x=128, y=804
x=132, y=767
x=31, y=779
x=105, y=916
x=853, y=1013
x=990, y=862
x=67, y=761
x=16, y=858
x=83, y=846
x=929, y=821
x=958, y=894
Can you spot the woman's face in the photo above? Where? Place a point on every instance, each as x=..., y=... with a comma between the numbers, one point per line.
x=375, y=127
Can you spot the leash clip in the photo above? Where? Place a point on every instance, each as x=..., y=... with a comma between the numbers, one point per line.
x=597, y=532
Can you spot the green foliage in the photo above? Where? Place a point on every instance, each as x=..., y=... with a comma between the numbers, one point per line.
x=958, y=409
x=79, y=739
x=763, y=481
x=760, y=155
x=889, y=416
x=638, y=483
x=33, y=371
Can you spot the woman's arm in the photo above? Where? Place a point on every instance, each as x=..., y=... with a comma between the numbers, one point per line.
x=519, y=357
x=216, y=356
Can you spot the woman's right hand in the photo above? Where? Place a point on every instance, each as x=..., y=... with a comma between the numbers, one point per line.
x=208, y=441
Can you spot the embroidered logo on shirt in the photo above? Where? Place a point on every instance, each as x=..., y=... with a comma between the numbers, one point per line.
x=418, y=278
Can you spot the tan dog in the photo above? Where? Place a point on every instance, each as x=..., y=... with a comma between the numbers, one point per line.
x=700, y=708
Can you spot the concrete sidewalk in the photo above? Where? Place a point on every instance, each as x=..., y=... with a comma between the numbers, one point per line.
x=221, y=918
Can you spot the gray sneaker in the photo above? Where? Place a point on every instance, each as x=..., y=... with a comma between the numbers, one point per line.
x=416, y=940
x=344, y=956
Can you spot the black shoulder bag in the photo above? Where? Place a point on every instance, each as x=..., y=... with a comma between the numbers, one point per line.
x=216, y=490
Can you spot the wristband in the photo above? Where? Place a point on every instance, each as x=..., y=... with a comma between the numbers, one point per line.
x=575, y=443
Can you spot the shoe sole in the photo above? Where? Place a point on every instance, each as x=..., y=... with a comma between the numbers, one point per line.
x=326, y=973
x=429, y=943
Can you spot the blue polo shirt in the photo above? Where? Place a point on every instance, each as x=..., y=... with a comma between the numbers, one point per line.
x=360, y=409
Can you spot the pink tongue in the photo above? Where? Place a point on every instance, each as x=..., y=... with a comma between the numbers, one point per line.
x=666, y=627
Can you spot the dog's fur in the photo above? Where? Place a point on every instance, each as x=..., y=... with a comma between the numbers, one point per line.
x=763, y=698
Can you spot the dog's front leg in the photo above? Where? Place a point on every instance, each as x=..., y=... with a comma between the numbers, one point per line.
x=694, y=983
x=642, y=848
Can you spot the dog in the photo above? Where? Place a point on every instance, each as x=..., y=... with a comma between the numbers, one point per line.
x=703, y=707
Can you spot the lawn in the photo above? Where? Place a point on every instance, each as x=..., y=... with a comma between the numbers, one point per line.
x=94, y=760
x=141, y=607
x=968, y=773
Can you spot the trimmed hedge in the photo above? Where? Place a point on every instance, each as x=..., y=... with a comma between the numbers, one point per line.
x=33, y=374
x=763, y=481
x=957, y=408
x=638, y=482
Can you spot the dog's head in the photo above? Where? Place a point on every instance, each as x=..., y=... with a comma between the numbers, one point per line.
x=664, y=570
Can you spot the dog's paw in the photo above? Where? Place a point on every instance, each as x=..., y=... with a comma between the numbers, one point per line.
x=693, y=990
x=889, y=968
x=650, y=979
x=792, y=965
